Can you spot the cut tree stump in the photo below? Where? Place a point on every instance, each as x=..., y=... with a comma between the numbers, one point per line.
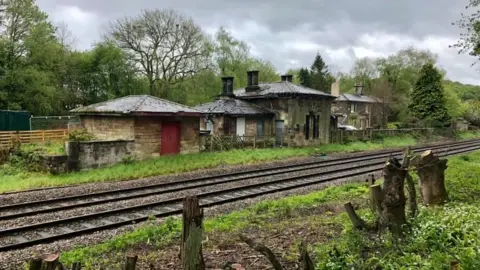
x=305, y=262
x=35, y=264
x=394, y=195
x=263, y=250
x=356, y=220
x=131, y=262
x=192, y=236
x=50, y=262
x=431, y=171
x=412, y=193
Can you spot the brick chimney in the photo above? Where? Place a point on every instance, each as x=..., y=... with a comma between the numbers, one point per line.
x=252, y=81
x=335, y=89
x=227, y=90
x=358, y=89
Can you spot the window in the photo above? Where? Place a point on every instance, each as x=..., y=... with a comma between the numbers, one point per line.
x=367, y=108
x=307, y=127
x=209, y=125
x=316, y=130
x=353, y=107
x=260, y=128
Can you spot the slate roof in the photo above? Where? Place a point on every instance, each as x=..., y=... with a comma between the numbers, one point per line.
x=232, y=106
x=357, y=98
x=137, y=104
x=277, y=89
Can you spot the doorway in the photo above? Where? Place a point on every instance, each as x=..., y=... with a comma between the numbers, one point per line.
x=170, y=138
x=240, y=126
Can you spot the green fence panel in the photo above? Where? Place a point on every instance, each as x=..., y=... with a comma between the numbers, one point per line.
x=14, y=120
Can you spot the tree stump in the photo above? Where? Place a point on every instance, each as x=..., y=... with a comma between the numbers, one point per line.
x=35, y=264
x=356, y=220
x=263, y=250
x=393, y=194
x=131, y=262
x=50, y=262
x=431, y=171
x=305, y=262
x=192, y=236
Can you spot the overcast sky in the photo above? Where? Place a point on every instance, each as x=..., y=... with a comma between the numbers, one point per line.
x=290, y=33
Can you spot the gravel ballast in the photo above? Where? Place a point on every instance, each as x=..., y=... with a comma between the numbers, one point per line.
x=15, y=259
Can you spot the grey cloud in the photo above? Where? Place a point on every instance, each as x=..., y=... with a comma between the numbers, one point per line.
x=334, y=24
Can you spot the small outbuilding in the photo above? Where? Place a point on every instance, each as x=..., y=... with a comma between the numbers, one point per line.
x=156, y=126
x=230, y=116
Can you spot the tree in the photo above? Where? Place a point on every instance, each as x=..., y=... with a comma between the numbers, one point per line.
x=320, y=75
x=428, y=102
x=304, y=77
x=364, y=70
x=469, y=41
x=31, y=59
x=232, y=58
x=165, y=45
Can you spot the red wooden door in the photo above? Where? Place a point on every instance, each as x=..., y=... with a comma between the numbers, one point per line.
x=170, y=139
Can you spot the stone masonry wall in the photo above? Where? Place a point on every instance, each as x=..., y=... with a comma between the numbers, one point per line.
x=147, y=136
x=94, y=154
x=190, y=136
x=109, y=127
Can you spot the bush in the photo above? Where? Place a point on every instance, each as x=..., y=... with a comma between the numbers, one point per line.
x=128, y=159
x=80, y=135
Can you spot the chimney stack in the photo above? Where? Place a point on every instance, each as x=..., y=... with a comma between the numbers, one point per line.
x=252, y=81
x=227, y=90
x=335, y=89
x=359, y=89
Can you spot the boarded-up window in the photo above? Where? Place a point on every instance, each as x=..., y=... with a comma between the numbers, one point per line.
x=260, y=128
x=307, y=127
x=316, y=131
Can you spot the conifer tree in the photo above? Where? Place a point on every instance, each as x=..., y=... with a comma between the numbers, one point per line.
x=427, y=100
x=304, y=77
x=320, y=75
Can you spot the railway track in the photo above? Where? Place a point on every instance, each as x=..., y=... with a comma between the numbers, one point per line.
x=262, y=181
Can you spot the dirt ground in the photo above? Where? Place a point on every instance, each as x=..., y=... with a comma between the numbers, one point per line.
x=224, y=250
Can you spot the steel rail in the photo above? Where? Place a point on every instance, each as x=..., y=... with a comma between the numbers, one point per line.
x=173, y=206
x=169, y=186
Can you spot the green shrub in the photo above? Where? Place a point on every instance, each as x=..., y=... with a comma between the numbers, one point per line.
x=80, y=135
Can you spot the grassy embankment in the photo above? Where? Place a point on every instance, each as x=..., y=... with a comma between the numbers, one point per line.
x=16, y=178
x=436, y=237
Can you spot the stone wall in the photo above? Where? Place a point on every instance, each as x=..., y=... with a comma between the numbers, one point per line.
x=190, y=136
x=299, y=109
x=292, y=112
x=109, y=127
x=94, y=154
x=147, y=136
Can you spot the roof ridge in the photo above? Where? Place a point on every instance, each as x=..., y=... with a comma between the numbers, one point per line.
x=135, y=108
x=173, y=102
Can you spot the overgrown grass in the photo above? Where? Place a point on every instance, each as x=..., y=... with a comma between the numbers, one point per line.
x=19, y=180
x=161, y=235
x=48, y=148
x=468, y=135
x=436, y=237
